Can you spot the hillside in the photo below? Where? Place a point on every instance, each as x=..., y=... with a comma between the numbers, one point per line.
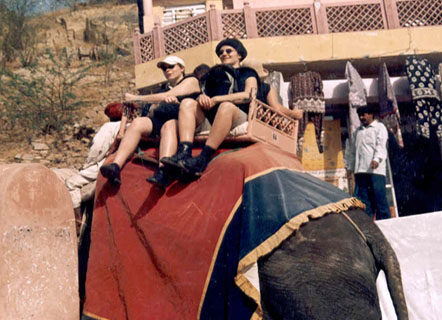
x=83, y=35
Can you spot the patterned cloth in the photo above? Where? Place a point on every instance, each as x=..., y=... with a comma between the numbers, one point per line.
x=440, y=76
x=308, y=95
x=357, y=96
x=357, y=93
x=425, y=97
x=318, y=121
x=307, y=92
x=389, y=111
x=132, y=111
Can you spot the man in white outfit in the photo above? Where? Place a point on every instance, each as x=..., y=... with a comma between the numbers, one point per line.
x=101, y=144
x=368, y=161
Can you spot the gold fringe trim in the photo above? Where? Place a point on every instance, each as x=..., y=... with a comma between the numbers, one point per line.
x=89, y=314
x=275, y=240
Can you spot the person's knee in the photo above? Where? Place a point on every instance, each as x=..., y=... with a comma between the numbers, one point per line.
x=141, y=125
x=169, y=126
x=188, y=105
x=226, y=109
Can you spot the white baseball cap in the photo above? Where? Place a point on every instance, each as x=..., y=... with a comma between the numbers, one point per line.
x=171, y=61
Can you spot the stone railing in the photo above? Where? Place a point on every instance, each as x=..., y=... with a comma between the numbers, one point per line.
x=317, y=18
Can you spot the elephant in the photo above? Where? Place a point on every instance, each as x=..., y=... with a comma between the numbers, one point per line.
x=328, y=270
x=248, y=240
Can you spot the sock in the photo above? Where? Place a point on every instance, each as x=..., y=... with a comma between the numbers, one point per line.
x=188, y=144
x=185, y=147
x=207, y=152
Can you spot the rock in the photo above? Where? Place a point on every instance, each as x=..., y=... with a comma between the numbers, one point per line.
x=39, y=146
x=38, y=250
x=83, y=52
x=45, y=162
x=51, y=157
x=27, y=157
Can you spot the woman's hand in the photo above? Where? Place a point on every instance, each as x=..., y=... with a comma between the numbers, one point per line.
x=130, y=97
x=296, y=114
x=205, y=101
x=171, y=99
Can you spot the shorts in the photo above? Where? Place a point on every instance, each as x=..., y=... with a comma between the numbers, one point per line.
x=241, y=119
x=204, y=126
x=210, y=115
x=163, y=113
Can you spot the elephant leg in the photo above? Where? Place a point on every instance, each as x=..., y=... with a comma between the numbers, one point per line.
x=385, y=258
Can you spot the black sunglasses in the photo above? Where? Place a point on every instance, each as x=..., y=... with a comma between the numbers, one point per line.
x=228, y=51
x=165, y=67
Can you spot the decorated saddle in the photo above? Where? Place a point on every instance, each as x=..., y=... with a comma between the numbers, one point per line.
x=191, y=251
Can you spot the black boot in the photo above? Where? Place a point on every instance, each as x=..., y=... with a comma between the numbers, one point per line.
x=184, y=152
x=196, y=165
x=163, y=177
x=112, y=173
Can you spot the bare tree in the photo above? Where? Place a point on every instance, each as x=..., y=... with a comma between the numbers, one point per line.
x=16, y=32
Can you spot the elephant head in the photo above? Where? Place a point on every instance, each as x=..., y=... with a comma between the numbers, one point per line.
x=328, y=270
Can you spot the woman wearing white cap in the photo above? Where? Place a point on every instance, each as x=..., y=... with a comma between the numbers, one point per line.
x=161, y=123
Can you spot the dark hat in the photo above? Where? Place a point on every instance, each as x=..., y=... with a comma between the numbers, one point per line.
x=234, y=43
x=366, y=109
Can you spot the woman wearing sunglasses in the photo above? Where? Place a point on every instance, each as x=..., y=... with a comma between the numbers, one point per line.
x=221, y=112
x=160, y=122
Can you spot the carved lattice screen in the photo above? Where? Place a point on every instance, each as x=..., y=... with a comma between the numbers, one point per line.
x=234, y=25
x=284, y=22
x=187, y=35
x=415, y=13
x=146, y=48
x=360, y=17
x=276, y=120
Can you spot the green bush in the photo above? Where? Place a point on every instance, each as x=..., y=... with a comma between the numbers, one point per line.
x=41, y=101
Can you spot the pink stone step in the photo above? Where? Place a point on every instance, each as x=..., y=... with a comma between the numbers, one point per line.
x=38, y=245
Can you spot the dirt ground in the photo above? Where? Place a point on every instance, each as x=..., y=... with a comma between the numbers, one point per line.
x=65, y=30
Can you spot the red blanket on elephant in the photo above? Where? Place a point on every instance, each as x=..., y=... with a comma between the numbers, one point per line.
x=184, y=253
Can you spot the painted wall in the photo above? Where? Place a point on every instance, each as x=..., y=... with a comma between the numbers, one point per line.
x=338, y=47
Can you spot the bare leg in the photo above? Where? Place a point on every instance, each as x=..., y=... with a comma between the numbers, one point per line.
x=226, y=115
x=163, y=177
x=169, y=139
x=140, y=126
x=191, y=115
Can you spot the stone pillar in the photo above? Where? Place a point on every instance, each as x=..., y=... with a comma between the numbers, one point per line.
x=148, y=15
x=38, y=245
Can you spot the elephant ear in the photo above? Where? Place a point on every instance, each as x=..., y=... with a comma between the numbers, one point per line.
x=385, y=259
